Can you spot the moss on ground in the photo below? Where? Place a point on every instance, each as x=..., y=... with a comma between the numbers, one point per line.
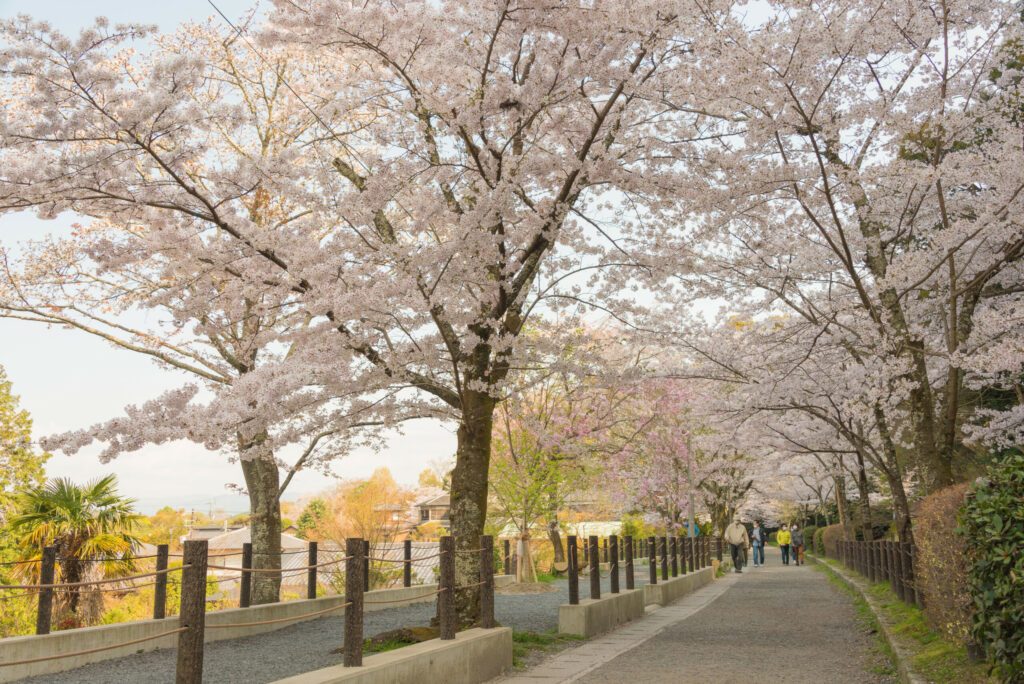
x=528, y=646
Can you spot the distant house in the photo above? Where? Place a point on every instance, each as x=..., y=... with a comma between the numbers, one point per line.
x=227, y=546
x=201, y=532
x=435, y=509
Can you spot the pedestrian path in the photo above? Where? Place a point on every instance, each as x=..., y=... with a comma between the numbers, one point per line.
x=782, y=623
x=570, y=665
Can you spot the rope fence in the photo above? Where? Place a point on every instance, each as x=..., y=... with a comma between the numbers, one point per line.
x=193, y=597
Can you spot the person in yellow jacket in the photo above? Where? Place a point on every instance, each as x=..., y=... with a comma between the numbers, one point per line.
x=783, y=537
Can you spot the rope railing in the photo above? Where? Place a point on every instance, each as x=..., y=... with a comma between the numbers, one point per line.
x=194, y=602
x=279, y=570
x=68, y=585
x=88, y=651
x=290, y=618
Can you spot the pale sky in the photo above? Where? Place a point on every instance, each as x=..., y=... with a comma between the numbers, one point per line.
x=69, y=380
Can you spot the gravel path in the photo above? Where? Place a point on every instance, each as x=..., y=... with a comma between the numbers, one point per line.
x=306, y=646
x=780, y=623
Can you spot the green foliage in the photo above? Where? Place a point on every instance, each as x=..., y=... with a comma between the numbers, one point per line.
x=941, y=563
x=21, y=467
x=809, y=538
x=819, y=541
x=634, y=525
x=992, y=523
x=311, y=517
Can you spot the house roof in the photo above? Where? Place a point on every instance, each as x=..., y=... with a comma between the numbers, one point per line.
x=235, y=538
x=439, y=500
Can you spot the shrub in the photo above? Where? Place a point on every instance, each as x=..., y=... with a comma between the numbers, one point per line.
x=993, y=525
x=830, y=536
x=941, y=563
x=819, y=541
x=809, y=538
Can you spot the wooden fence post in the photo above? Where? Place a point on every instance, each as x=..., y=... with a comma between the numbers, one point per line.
x=366, y=565
x=901, y=585
x=311, y=571
x=613, y=570
x=407, y=563
x=352, y=646
x=630, y=550
x=682, y=554
x=44, y=607
x=595, y=569
x=574, y=570
x=192, y=613
x=718, y=548
x=652, y=561
x=446, y=597
x=693, y=554
x=487, y=582
x=674, y=544
x=664, y=558
x=508, y=557
x=919, y=597
x=160, y=589
x=245, y=586
x=604, y=542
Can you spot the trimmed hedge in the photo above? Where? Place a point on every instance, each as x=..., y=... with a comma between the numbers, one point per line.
x=992, y=524
x=819, y=541
x=830, y=536
x=809, y=538
x=941, y=563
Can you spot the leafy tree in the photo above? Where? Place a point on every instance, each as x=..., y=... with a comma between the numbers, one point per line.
x=92, y=526
x=311, y=518
x=21, y=466
x=166, y=526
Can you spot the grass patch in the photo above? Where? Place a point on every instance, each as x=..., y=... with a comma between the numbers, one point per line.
x=527, y=645
x=372, y=646
x=934, y=658
x=548, y=577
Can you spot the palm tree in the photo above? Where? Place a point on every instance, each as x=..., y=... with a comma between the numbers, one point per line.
x=92, y=527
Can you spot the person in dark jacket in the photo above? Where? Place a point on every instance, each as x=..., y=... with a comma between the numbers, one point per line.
x=796, y=544
x=757, y=541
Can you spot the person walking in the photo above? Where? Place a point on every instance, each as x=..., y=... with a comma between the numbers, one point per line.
x=796, y=544
x=783, y=538
x=757, y=541
x=738, y=541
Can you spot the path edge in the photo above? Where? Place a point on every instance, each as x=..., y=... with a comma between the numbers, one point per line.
x=900, y=654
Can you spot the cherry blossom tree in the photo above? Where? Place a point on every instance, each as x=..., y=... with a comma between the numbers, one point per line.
x=866, y=196
x=119, y=278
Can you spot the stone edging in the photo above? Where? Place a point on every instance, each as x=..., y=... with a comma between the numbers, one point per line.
x=900, y=654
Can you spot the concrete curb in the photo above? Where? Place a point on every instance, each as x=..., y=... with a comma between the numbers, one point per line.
x=901, y=655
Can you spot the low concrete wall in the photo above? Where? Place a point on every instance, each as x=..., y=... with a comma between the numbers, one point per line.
x=474, y=656
x=596, y=616
x=667, y=591
x=222, y=624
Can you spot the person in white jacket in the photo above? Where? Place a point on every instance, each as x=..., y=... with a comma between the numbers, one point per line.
x=738, y=540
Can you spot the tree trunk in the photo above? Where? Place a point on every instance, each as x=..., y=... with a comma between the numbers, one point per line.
x=525, y=569
x=263, y=481
x=842, y=506
x=469, y=498
x=555, y=535
x=864, y=509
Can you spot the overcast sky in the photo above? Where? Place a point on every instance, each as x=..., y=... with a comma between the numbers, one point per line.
x=69, y=380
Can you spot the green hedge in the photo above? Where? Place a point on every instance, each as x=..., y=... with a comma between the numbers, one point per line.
x=992, y=524
x=809, y=538
x=819, y=540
